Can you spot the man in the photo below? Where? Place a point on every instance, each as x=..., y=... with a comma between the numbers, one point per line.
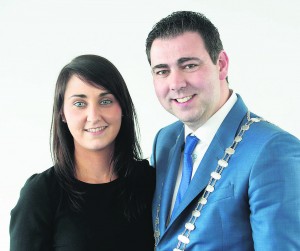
x=242, y=191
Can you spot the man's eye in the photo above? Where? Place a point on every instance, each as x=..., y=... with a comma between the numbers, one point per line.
x=162, y=72
x=105, y=102
x=79, y=104
x=190, y=66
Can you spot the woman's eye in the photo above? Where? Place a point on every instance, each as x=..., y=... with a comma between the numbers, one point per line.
x=79, y=104
x=105, y=102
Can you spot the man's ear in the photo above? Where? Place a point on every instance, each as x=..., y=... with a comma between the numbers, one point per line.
x=223, y=63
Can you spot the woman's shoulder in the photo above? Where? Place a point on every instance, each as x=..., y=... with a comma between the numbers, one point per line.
x=143, y=177
x=32, y=217
x=39, y=187
x=40, y=180
x=144, y=170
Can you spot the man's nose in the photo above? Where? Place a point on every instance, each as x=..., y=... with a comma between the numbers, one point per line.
x=177, y=80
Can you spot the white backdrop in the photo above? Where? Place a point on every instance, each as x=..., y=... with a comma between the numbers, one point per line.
x=37, y=38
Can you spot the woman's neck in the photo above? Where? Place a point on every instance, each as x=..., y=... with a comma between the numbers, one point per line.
x=94, y=167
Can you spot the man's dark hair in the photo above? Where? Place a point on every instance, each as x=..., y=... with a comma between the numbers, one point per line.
x=187, y=21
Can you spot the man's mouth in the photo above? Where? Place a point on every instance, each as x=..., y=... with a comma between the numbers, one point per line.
x=183, y=100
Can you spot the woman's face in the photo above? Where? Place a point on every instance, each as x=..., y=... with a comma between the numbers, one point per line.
x=93, y=116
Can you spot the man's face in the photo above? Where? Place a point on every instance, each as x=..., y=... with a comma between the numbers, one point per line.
x=186, y=81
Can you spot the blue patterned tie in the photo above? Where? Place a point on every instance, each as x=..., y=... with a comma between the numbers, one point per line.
x=190, y=144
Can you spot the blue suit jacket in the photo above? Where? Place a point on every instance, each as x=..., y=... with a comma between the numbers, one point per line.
x=256, y=203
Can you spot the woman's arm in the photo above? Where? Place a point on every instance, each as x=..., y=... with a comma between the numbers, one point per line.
x=32, y=218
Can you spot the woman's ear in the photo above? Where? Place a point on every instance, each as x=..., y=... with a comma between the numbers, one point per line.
x=63, y=118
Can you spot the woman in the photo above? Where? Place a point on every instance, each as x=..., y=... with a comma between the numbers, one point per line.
x=98, y=194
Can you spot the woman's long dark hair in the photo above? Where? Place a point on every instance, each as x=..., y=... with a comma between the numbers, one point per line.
x=101, y=73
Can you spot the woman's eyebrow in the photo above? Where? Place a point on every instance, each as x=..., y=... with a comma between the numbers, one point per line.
x=78, y=96
x=102, y=94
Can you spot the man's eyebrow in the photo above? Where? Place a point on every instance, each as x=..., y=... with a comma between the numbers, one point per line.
x=159, y=66
x=180, y=61
x=185, y=59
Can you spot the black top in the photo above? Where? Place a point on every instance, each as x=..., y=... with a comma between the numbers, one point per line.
x=42, y=220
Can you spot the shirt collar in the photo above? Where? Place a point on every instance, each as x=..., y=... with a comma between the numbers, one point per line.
x=207, y=131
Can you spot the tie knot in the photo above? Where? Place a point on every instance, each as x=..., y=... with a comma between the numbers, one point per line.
x=190, y=144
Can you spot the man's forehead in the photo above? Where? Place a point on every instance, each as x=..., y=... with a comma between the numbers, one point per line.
x=177, y=45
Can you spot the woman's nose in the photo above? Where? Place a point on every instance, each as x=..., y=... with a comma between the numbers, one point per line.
x=93, y=114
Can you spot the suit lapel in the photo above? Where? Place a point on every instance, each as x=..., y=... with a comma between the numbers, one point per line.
x=223, y=138
x=170, y=180
x=201, y=177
